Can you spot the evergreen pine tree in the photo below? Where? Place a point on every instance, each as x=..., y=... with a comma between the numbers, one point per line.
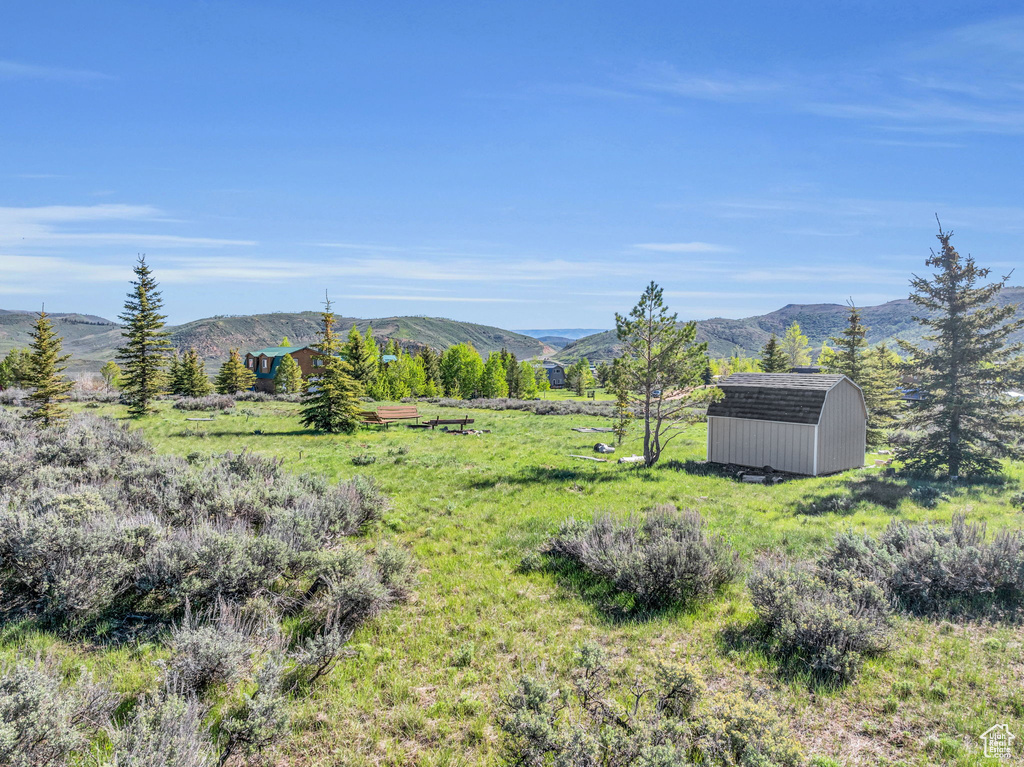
x=174, y=381
x=850, y=348
x=795, y=346
x=144, y=353
x=234, y=376
x=773, y=359
x=357, y=353
x=192, y=372
x=965, y=366
x=50, y=388
x=661, y=368
x=16, y=369
x=432, y=367
x=285, y=342
x=288, y=379
x=331, y=402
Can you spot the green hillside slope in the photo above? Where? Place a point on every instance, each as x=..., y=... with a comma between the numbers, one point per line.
x=726, y=337
x=93, y=340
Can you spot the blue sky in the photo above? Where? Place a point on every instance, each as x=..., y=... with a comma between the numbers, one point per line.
x=518, y=164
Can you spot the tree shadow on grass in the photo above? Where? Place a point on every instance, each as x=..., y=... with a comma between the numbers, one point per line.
x=614, y=606
x=753, y=638
x=889, y=491
x=549, y=475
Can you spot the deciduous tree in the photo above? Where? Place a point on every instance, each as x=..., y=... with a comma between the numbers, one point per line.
x=111, y=374
x=795, y=346
x=493, y=382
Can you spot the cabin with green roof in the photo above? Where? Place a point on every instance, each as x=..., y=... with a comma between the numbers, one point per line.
x=265, y=363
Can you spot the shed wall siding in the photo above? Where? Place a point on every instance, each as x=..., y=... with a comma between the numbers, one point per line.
x=842, y=430
x=783, y=446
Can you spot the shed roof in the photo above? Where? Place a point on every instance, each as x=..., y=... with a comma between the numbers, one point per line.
x=785, y=397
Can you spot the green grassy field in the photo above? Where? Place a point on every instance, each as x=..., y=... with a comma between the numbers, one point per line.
x=423, y=682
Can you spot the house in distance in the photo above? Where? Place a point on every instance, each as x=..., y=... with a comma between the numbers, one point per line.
x=265, y=363
x=799, y=423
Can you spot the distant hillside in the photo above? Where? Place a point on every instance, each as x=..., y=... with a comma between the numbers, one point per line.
x=725, y=337
x=571, y=333
x=555, y=342
x=93, y=340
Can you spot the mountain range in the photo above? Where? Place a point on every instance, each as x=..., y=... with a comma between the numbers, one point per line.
x=885, y=322
x=92, y=340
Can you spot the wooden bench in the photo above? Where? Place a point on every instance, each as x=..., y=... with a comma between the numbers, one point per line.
x=460, y=422
x=385, y=416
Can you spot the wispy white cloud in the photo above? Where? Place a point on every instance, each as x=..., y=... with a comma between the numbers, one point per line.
x=70, y=225
x=966, y=79
x=683, y=247
x=442, y=299
x=19, y=70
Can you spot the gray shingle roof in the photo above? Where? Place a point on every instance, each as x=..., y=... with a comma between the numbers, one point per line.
x=785, y=397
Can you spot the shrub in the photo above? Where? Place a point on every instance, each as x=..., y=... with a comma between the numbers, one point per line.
x=209, y=653
x=42, y=721
x=95, y=529
x=364, y=459
x=666, y=558
x=14, y=397
x=165, y=730
x=537, y=407
x=663, y=722
x=938, y=569
x=209, y=402
x=829, y=619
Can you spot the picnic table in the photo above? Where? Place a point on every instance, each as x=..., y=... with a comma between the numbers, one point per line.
x=385, y=416
x=462, y=423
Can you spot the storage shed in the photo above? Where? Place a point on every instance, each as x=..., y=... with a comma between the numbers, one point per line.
x=800, y=423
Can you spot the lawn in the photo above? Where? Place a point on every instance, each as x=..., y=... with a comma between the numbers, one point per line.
x=424, y=679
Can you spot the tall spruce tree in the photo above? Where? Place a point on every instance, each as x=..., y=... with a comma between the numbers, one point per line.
x=50, y=388
x=432, y=368
x=234, y=376
x=331, y=402
x=288, y=379
x=850, y=348
x=359, y=357
x=192, y=375
x=965, y=365
x=174, y=384
x=773, y=359
x=144, y=353
x=662, y=367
